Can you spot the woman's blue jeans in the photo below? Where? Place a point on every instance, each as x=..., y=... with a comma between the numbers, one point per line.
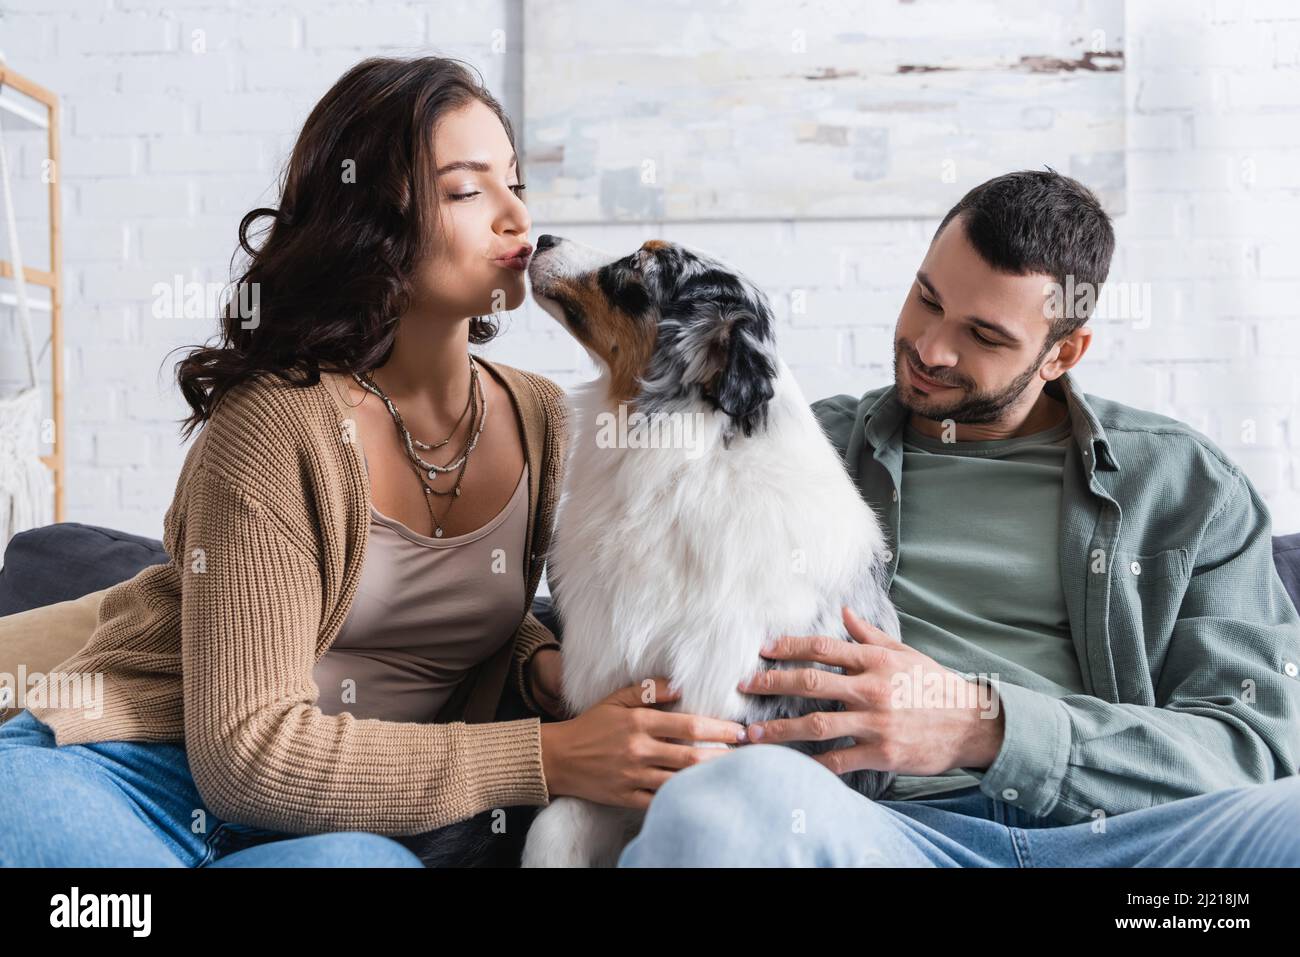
x=134, y=804
x=765, y=805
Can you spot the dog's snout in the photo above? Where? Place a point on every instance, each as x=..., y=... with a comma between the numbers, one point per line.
x=546, y=241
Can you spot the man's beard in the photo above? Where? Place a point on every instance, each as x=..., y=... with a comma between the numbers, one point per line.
x=973, y=408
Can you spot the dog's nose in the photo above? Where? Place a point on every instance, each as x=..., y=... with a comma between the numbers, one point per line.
x=546, y=241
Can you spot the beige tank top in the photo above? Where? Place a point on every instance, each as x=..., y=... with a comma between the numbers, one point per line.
x=426, y=611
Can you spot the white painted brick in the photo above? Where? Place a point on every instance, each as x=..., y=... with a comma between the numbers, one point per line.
x=95, y=240
x=1153, y=216
x=1204, y=171
x=849, y=308
x=127, y=116
x=118, y=34
x=1248, y=216
x=1179, y=90
x=134, y=198
x=256, y=32
x=312, y=70
x=205, y=154
x=1164, y=342
x=34, y=36
x=235, y=195
x=1158, y=131
x=1251, y=92
x=1259, y=381
x=104, y=156
x=1265, y=298
x=365, y=30
x=806, y=347
x=873, y=345
x=81, y=7
x=251, y=113
x=97, y=485
x=203, y=74
x=820, y=382
x=133, y=284
x=121, y=447
x=1279, y=260
x=201, y=238
x=1286, y=45
x=1278, y=338
x=1247, y=131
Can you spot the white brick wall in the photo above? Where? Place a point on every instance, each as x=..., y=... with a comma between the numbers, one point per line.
x=165, y=148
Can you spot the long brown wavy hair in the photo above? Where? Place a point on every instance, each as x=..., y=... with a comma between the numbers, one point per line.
x=334, y=271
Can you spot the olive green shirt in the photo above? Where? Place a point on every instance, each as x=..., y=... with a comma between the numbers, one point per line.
x=1186, y=640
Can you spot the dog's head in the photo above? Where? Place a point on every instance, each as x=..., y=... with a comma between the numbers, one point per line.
x=669, y=324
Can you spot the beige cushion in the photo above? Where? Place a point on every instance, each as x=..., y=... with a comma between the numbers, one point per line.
x=42, y=638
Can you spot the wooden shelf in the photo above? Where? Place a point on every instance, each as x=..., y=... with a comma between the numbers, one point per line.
x=28, y=106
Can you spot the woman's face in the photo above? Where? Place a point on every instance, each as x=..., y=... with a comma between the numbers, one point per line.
x=480, y=218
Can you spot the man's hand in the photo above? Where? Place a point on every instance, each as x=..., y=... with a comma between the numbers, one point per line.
x=904, y=711
x=544, y=675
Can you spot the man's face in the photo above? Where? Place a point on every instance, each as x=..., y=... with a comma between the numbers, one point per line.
x=946, y=331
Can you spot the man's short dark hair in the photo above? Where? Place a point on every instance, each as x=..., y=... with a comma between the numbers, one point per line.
x=1033, y=221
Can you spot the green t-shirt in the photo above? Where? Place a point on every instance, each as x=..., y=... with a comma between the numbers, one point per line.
x=978, y=584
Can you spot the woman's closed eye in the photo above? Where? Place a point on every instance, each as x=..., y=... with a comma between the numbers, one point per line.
x=517, y=188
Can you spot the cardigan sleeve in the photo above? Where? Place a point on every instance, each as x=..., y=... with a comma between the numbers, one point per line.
x=260, y=750
x=533, y=636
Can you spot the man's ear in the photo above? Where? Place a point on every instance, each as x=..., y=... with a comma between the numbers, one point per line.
x=742, y=385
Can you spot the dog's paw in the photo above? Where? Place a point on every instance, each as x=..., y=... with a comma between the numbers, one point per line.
x=570, y=832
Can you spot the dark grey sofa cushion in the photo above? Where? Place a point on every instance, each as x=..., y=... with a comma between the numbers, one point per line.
x=1286, y=556
x=66, y=560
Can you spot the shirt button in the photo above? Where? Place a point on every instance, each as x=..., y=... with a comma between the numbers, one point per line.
x=1135, y=568
x=1290, y=669
x=1010, y=794
x=1086, y=454
x=894, y=495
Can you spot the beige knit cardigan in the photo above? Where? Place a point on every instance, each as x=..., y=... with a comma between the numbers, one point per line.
x=267, y=536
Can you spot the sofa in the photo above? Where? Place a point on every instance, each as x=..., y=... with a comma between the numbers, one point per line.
x=69, y=563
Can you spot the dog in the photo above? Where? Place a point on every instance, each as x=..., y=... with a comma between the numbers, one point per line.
x=681, y=558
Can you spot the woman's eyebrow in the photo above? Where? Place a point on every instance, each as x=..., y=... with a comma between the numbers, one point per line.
x=476, y=166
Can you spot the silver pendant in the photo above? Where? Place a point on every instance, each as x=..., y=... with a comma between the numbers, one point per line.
x=433, y=474
x=437, y=532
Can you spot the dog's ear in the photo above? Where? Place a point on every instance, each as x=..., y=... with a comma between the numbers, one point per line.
x=741, y=365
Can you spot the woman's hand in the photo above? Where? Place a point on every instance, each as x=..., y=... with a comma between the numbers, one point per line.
x=621, y=750
x=544, y=682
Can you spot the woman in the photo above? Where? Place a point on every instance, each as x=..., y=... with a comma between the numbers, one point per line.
x=356, y=538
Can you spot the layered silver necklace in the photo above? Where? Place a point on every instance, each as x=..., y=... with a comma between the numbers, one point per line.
x=431, y=470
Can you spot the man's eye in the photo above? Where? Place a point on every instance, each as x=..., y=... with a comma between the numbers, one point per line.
x=984, y=340
x=932, y=306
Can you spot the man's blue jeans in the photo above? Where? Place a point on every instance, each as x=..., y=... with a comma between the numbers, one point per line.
x=134, y=804
x=766, y=805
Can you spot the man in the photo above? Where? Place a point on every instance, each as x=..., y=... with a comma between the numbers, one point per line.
x=1099, y=664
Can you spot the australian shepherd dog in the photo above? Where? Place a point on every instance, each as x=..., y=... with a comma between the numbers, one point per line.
x=703, y=511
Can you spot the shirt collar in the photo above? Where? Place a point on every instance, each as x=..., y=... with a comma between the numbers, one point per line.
x=886, y=415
